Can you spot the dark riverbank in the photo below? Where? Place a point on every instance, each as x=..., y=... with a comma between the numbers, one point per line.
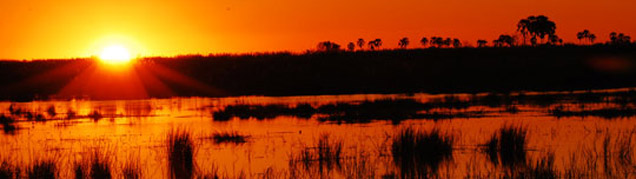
x=453, y=70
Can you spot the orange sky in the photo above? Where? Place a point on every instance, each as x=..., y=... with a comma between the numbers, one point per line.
x=79, y=28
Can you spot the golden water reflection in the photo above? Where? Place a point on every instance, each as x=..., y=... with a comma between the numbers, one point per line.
x=136, y=130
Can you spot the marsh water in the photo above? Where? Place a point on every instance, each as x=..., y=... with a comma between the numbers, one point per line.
x=567, y=134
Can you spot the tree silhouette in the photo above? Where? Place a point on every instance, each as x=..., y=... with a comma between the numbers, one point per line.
x=447, y=41
x=536, y=26
x=619, y=39
x=523, y=28
x=360, y=43
x=351, y=46
x=586, y=35
x=504, y=40
x=582, y=35
x=457, y=43
x=404, y=42
x=424, y=41
x=437, y=41
x=481, y=43
x=328, y=46
x=591, y=38
x=375, y=44
x=554, y=40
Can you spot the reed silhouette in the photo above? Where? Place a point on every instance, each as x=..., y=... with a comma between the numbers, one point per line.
x=326, y=156
x=419, y=154
x=45, y=169
x=543, y=168
x=180, y=150
x=8, y=171
x=508, y=147
x=100, y=167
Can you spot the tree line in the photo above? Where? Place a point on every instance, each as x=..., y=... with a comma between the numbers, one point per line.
x=531, y=31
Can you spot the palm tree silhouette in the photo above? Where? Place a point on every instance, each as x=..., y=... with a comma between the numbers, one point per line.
x=522, y=28
x=360, y=43
x=424, y=41
x=620, y=39
x=351, y=46
x=536, y=26
x=375, y=44
x=591, y=38
x=582, y=35
x=585, y=34
x=404, y=42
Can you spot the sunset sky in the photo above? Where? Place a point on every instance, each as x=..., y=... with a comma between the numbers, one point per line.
x=79, y=28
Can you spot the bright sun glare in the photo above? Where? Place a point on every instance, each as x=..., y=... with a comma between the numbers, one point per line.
x=115, y=54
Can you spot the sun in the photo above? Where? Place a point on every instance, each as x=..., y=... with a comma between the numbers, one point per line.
x=115, y=54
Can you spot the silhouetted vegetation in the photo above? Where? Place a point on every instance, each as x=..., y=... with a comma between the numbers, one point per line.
x=330, y=70
x=229, y=137
x=328, y=46
x=375, y=44
x=452, y=70
x=263, y=112
x=419, y=154
x=45, y=169
x=360, y=43
x=100, y=167
x=8, y=125
x=403, y=43
x=620, y=39
x=365, y=111
x=131, y=170
x=508, y=146
x=8, y=171
x=326, y=155
x=481, y=43
x=607, y=113
x=585, y=34
x=543, y=168
x=424, y=41
x=180, y=150
x=537, y=26
x=504, y=40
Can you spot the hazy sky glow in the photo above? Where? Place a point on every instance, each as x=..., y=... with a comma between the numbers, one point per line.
x=79, y=28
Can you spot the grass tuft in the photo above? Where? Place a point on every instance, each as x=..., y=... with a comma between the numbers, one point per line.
x=44, y=169
x=419, y=154
x=508, y=146
x=180, y=149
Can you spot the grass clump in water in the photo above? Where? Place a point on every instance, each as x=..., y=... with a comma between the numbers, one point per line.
x=180, y=150
x=326, y=155
x=42, y=169
x=419, y=154
x=508, y=146
x=229, y=137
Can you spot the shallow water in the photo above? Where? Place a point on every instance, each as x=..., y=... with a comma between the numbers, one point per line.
x=136, y=131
